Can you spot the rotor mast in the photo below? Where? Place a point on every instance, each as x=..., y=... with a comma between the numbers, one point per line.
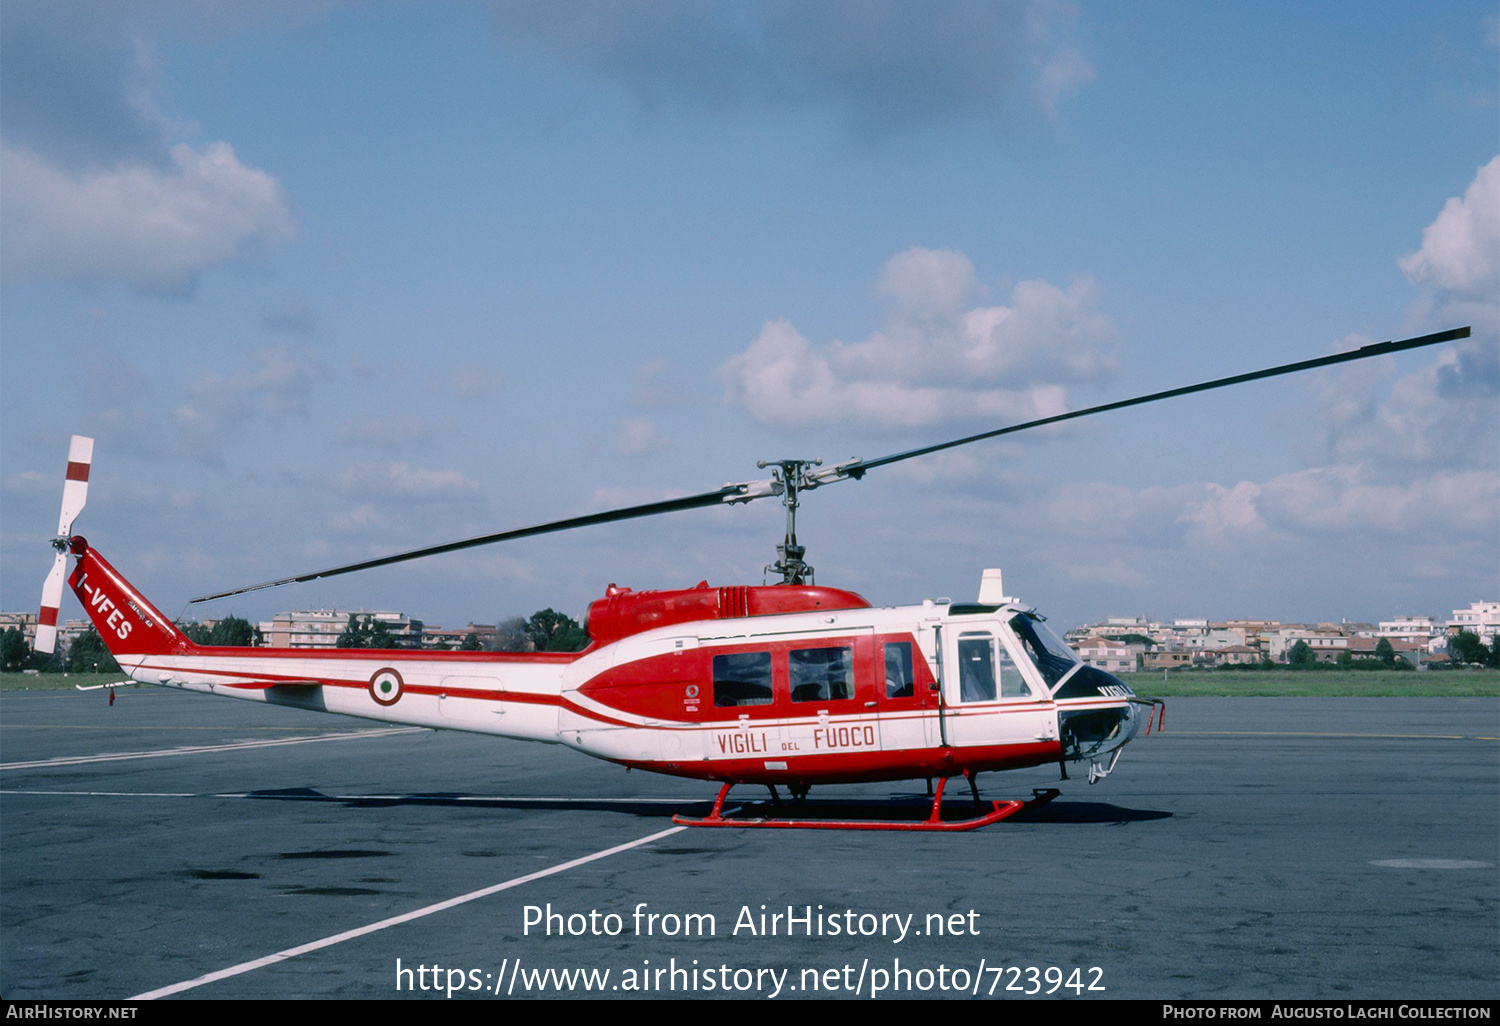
x=788, y=479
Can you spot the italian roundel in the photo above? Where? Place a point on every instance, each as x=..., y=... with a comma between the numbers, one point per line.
x=385, y=686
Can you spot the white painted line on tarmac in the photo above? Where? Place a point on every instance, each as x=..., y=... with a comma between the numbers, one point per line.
x=339, y=938
x=203, y=749
x=106, y=794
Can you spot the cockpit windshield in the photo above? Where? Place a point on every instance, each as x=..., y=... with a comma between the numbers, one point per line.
x=1050, y=653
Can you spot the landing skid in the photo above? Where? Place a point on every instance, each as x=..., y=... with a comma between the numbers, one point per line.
x=1001, y=810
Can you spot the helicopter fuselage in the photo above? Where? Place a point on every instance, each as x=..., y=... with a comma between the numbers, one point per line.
x=774, y=684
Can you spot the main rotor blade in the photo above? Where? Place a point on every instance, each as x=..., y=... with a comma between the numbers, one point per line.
x=1362, y=353
x=853, y=468
x=725, y=494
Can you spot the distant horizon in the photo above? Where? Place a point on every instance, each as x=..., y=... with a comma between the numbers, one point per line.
x=330, y=281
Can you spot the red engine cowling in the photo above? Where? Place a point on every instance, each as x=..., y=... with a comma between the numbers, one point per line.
x=622, y=612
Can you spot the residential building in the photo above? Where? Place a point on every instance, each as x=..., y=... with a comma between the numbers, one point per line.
x=1109, y=656
x=1481, y=618
x=320, y=628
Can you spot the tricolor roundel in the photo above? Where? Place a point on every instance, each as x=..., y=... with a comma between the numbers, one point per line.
x=385, y=686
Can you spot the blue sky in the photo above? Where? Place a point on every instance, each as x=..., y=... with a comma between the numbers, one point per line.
x=330, y=280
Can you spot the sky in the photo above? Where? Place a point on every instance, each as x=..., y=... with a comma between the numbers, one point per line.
x=326, y=281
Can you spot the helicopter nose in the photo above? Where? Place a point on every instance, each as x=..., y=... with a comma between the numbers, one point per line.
x=1086, y=730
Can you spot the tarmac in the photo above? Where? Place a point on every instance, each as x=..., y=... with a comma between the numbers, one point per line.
x=181, y=845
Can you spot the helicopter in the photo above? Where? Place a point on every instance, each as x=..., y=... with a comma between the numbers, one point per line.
x=789, y=685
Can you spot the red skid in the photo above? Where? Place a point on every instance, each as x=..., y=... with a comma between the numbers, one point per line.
x=1001, y=810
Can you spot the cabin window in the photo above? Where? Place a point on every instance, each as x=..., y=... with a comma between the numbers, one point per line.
x=742, y=678
x=899, y=679
x=821, y=674
x=976, y=668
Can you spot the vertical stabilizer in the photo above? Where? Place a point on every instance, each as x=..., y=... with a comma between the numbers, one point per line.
x=129, y=625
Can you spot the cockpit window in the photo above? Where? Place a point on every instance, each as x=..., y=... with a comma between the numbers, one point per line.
x=1050, y=653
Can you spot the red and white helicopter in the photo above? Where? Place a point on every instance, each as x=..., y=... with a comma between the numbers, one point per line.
x=786, y=684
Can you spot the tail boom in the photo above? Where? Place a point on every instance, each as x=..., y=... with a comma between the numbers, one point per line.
x=510, y=695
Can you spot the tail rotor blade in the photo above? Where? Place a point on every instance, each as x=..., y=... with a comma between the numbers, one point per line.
x=46, y=624
x=76, y=487
x=75, y=495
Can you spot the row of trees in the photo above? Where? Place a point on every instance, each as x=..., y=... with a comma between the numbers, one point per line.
x=88, y=653
x=546, y=631
x=1464, y=649
x=1301, y=656
x=550, y=631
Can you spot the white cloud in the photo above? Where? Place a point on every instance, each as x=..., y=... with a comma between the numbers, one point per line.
x=937, y=360
x=399, y=479
x=638, y=436
x=623, y=496
x=1442, y=414
x=1064, y=73
x=151, y=228
x=277, y=387
x=476, y=382
x=929, y=282
x=30, y=482
x=390, y=431
x=355, y=521
x=1460, y=250
x=1113, y=571
x=1223, y=511
x=1349, y=498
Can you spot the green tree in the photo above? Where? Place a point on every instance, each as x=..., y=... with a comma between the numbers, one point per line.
x=356, y=633
x=551, y=631
x=1302, y=657
x=196, y=632
x=88, y=655
x=1385, y=652
x=470, y=643
x=380, y=634
x=365, y=632
x=236, y=632
x=14, y=652
x=1466, y=647
x=510, y=636
x=1345, y=660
